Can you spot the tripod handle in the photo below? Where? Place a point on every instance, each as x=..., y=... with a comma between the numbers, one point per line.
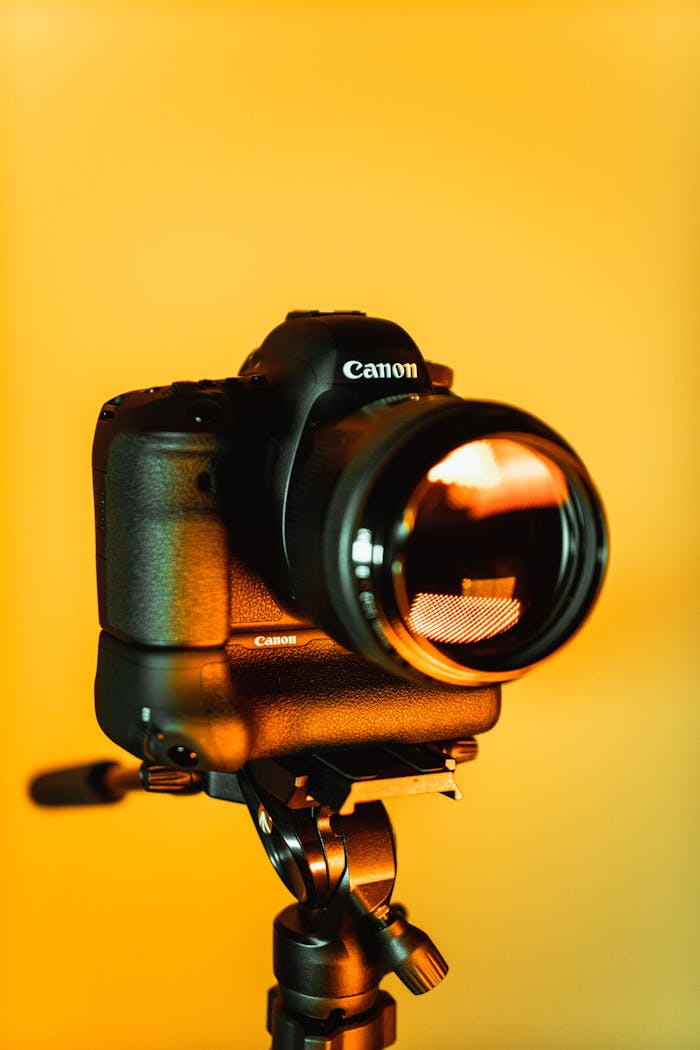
x=92, y=784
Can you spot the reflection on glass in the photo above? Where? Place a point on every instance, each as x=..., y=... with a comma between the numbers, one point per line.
x=497, y=476
x=461, y=619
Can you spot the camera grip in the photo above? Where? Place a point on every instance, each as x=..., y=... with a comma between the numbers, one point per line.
x=162, y=547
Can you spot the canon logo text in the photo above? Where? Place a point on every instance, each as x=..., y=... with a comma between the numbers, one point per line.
x=275, y=639
x=380, y=370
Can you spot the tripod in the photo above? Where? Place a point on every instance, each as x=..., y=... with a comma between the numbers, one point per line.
x=325, y=829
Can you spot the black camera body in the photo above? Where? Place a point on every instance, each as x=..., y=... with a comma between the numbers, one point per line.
x=194, y=471
x=279, y=553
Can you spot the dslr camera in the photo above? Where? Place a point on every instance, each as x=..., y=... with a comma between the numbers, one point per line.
x=328, y=550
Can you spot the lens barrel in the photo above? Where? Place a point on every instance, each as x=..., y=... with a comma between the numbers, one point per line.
x=453, y=540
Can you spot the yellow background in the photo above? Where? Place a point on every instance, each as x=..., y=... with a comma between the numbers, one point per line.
x=515, y=183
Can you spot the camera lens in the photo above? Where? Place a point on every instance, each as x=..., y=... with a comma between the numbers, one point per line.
x=462, y=541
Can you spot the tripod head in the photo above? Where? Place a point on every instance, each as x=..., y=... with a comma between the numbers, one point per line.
x=322, y=822
x=335, y=945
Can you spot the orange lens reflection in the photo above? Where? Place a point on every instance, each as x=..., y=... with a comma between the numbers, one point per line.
x=499, y=475
x=459, y=618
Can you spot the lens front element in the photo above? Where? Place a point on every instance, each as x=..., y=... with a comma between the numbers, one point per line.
x=482, y=557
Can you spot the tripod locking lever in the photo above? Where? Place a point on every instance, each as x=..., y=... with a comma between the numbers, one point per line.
x=410, y=953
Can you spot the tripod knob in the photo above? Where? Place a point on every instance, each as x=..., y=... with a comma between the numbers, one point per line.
x=411, y=954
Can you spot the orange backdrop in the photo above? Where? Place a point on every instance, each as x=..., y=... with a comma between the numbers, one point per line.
x=515, y=184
